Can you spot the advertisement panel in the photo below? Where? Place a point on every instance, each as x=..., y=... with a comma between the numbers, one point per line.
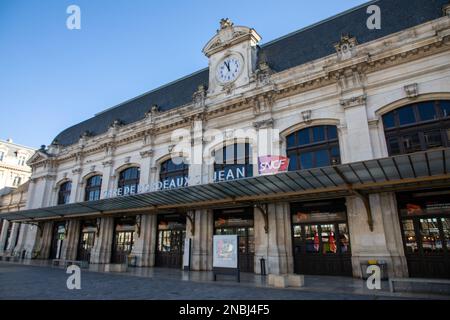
x=225, y=251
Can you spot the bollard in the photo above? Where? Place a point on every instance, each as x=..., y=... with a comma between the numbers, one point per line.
x=262, y=261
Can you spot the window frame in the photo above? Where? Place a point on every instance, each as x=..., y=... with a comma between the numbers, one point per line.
x=421, y=128
x=328, y=144
x=64, y=192
x=90, y=188
x=123, y=182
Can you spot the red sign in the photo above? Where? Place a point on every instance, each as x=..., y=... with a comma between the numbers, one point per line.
x=272, y=164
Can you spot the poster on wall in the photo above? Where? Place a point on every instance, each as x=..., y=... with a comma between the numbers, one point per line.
x=187, y=254
x=225, y=253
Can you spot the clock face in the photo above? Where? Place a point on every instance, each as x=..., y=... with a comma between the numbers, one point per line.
x=229, y=69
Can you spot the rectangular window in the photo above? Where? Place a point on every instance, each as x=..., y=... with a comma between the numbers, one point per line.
x=328, y=239
x=433, y=139
x=427, y=111
x=445, y=108
x=319, y=133
x=303, y=137
x=411, y=143
x=410, y=237
x=394, y=146
x=389, y=120
x=406, y=115
x=344, y=238
x=322, y=158
x=312, y=239
x=306, y=160
x=292, y=161
x=291, y=141
x=332, y=132
x=431, y=240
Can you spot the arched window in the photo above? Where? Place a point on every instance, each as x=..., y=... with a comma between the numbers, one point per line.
x=313, y=147
x=233, y=162
x=64, y=192
x=93, y=188
x=129, y=180
x=418, y=127
x=174, y=173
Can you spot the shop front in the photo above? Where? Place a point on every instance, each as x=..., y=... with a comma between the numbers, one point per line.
x=58, y=236
x=123, y=240
x=170, y=242
x=425, y=222
x=238, y=221
x=87, y=238
x=321, y=240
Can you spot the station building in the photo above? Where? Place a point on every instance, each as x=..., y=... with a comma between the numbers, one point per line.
x=361, y=111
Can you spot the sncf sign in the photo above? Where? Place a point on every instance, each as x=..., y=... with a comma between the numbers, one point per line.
x=272, y=164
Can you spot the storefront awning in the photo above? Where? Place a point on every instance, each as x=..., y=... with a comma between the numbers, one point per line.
x=398, y=173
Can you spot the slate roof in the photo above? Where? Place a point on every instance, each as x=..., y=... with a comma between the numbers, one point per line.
x=294, y=49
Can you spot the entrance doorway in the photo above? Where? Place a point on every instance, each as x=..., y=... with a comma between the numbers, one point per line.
x=170, y=244
x=123, y=239
x=425, y=222
x=321, y=240
x=238, y=221
x=59, y=233
x=87, y=238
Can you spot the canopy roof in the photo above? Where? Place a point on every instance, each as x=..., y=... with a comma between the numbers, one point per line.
x=398, y=173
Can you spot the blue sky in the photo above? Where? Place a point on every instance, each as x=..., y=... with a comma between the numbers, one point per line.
x=52, y=78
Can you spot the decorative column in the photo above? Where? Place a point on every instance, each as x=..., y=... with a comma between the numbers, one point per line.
x=69, y=247
x=201, y=239
x=273, y=240
x=3, y=236
x=101, y=252
x=44, y=240
x=12, y=237
x=384, y=243
x=145, y=242
x=358, y=133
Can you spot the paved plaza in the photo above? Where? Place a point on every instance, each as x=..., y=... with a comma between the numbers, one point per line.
x=18, y=281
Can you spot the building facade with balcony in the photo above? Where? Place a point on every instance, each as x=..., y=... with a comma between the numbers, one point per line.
x=362, y=113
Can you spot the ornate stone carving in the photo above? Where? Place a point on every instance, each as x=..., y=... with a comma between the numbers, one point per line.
x=306, y=116
x=353, y=101
x=346, y=47
x=92, y=168
x=412, y=90
x=116, y=123
x=446, y=10
x=263, y=124
x=171, y=147
x=153, y=169
x=146, y=153
x=263, y=72
x=199, y=97
x=127, y=159
x=107, y=163
x=226, y=23
x=76, y=171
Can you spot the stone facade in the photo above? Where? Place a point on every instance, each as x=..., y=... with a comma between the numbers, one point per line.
x=351, y=94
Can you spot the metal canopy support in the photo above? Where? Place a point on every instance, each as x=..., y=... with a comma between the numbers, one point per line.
x=364, y=198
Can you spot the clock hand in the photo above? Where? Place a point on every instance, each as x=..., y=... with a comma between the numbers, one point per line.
x=227, y=65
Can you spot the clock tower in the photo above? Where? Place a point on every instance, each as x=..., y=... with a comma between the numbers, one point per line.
x=232, y=55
